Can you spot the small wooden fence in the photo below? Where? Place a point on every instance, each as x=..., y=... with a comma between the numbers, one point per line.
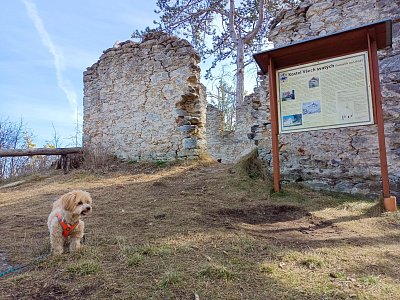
x=64, y=153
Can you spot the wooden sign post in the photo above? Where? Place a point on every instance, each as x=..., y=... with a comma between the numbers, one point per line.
x=345, y=57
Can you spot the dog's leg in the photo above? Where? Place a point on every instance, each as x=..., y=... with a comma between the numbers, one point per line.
x=76, y=237
x=57, y=244
x=75, y=244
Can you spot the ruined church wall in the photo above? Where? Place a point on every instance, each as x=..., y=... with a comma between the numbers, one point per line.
x=345, y=159
x=144, y=101
x=230, y=146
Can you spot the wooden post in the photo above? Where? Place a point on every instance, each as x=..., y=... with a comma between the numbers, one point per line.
x=274, y=124
x=377, y=98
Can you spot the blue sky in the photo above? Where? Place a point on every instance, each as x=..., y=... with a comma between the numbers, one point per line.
x=46, y=46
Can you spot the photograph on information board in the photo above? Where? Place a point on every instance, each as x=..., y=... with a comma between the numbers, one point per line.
x=314, y=82
x=310, y=108
x=329, y=93
x=289, y=95
x=292, y=120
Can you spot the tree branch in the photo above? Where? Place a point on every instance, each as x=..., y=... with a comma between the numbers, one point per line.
x=250, y=36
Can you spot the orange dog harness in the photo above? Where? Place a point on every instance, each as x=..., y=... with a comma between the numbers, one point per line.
x=67, y=229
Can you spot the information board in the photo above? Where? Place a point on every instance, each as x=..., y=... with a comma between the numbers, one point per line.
x=325, y=94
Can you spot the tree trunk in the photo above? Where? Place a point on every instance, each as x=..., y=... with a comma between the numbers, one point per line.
x=240, y=72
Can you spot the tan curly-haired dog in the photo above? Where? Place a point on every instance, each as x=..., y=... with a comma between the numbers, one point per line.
x=64, y=220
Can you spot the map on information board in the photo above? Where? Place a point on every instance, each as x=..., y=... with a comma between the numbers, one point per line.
x=325, y=94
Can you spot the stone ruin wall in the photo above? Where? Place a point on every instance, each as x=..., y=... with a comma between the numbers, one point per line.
x=229, y=146
x=144, y=101
x=345, y=159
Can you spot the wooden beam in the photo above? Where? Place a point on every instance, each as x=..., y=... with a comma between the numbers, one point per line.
x=328, y=46
x=39, y=151
x=274, y=124
x=376, y=94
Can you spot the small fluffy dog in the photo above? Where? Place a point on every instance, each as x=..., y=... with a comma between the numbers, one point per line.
x=64, y=220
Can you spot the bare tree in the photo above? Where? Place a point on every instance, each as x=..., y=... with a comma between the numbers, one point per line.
x=223, y=96
x=77, y=136
x=12, y=136
x=55, y=140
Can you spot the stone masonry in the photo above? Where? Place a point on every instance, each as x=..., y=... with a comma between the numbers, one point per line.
x=345, y=159
x=229, y=146
x=144, y=101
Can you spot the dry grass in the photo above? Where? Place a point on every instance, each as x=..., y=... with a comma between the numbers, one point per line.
x=168, y=232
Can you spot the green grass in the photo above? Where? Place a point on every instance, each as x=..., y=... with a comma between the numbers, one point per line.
x=134, y=259
x=369, y=280
x=161, y=163
x=312, y=263
x=136, y=255
x=216, y=271
x=244, y=245
x=169, y=279
x=338, y=274
x=84, y=268
x=267, y=268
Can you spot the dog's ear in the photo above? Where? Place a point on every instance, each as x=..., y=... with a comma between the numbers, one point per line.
x=68, y=201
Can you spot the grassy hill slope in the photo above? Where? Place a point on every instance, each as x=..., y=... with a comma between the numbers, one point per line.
x=209, y=231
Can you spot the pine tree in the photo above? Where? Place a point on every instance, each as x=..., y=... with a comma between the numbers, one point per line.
x=220, y=29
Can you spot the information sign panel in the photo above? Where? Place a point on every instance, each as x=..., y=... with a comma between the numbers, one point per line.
x=329, y=93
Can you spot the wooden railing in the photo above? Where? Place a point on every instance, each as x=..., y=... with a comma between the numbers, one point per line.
x=64, y=153
x=39, y=151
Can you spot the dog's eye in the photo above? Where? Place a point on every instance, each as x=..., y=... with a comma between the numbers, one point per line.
x=80, y=203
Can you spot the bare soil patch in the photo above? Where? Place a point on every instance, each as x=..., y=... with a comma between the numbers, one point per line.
x=262, y=214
